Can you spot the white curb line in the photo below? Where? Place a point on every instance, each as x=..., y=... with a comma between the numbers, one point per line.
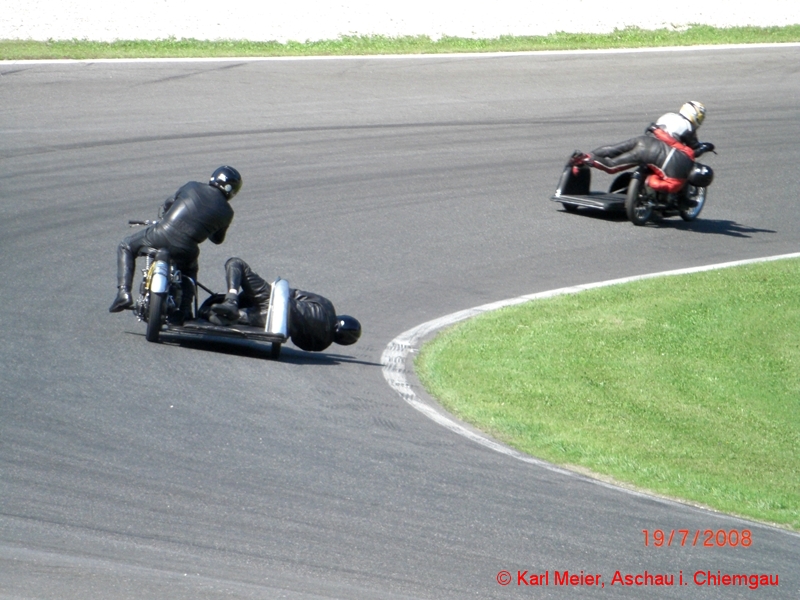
x=395, y=356
x=432, y=56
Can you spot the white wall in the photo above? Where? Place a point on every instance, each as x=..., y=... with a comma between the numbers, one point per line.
x=301, y=20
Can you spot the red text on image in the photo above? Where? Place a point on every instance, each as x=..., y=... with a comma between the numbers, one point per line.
x=708, y=538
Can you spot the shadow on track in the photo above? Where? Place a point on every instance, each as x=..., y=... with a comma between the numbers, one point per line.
x=257, y=350
x=719, y=227
x=602, y=215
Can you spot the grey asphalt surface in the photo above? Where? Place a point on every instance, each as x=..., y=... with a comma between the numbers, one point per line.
x=404, y=190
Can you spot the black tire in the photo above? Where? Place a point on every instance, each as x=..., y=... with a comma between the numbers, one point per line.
x=154, y=313
x=636, y=206
x=275, y=351
x=620, y=184
x=697, y=194
x=570, y=208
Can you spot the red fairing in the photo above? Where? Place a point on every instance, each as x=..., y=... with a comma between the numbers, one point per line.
x=665, y=184
x=663, y=136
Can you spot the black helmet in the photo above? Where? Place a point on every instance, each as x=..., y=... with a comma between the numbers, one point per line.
x=701, y=175
x=348, y=330
x=227, y=180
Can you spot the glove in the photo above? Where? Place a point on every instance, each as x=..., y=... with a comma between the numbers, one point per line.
x=703, y=147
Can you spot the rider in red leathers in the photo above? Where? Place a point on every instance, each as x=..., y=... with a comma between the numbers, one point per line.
x=667, y=147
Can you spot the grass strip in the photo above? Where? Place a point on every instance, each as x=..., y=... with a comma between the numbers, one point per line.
x=688, y=386
x=630, y=37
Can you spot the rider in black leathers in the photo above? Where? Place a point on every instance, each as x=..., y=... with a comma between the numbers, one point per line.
x=313, y=322
x=196, y=212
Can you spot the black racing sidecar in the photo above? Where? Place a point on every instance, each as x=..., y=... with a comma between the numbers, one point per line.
x=573, y=191
x=276, y=330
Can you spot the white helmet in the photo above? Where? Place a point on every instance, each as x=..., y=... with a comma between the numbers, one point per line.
x=694, y=112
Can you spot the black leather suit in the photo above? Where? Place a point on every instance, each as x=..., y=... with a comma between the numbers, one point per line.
x=195, y=213
x=312, y=318
x=645, y=149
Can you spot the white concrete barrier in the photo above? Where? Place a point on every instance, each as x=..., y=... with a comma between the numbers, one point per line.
x=303, y=20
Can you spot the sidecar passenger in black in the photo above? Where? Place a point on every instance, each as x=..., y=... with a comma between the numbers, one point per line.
x=257, y=310
x=273, y=327
x=311, y=320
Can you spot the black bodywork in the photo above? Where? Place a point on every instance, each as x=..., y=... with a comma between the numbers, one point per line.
x=574, y=191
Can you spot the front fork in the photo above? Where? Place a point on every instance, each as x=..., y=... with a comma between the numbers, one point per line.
x=158, y=277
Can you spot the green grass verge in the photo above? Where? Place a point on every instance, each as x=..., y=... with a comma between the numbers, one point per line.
x=631, y=37
x=687, y=386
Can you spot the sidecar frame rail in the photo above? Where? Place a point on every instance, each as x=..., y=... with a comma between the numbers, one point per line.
x=275, y=331
x=201, y=327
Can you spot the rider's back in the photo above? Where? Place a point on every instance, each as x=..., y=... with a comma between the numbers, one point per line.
x=312, y=321
x=199, y=212
x=678, y=127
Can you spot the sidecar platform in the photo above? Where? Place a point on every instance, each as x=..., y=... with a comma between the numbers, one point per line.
x=275, y=330
x=573, y=191
x=202, y=327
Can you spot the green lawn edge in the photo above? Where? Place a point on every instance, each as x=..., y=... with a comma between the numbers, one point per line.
x=685, y=386
x=630, y=37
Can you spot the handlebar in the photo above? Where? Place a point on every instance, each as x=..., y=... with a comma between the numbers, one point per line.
x=135, y=222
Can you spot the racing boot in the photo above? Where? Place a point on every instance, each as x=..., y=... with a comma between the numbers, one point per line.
x=579, y=158
x=123, y=300
x=220, y=320
x=185, y=301
x=229, y=309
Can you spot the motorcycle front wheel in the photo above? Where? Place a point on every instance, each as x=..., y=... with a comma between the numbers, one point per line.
x=698, y=195
x=637, y=206
x=154, y=314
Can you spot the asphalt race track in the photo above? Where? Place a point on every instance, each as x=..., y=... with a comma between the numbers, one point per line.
x=403, y=189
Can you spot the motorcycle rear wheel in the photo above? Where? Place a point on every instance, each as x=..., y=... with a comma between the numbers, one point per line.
x=154, y=314
x=637, y=206
x=698, y=194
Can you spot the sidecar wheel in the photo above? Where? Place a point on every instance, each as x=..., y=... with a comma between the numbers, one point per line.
x=275, y=351
x=637, y=206
x=698, y=194
x=154, y=314
x=620, y=184
x=570, y=208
